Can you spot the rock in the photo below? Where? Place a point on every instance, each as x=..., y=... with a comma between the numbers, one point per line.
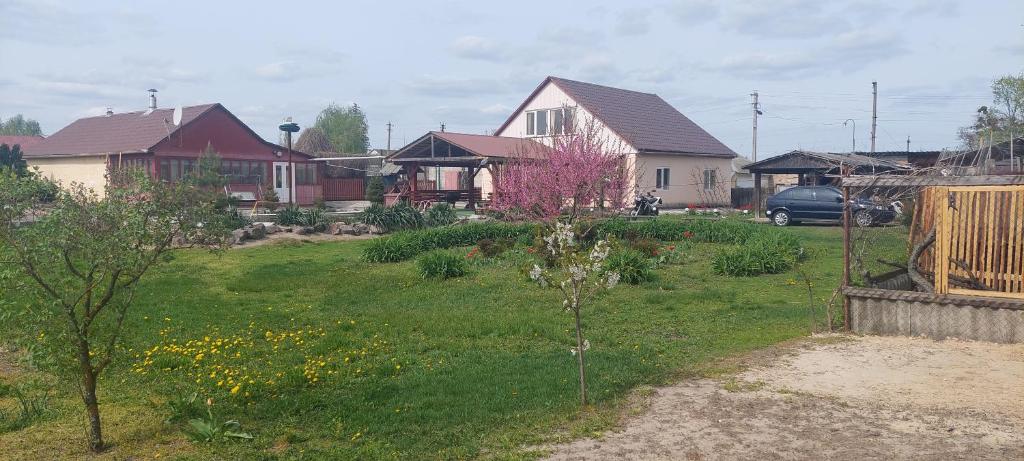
x=238, y=236
x=335, y=228
x=374, y=230
x=347, y=229
x=287, y=229
x=272, y=229
x=257, y=231
x=304, y=230
x=361, y=228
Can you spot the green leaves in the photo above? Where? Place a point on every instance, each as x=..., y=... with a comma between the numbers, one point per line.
x=345, y=128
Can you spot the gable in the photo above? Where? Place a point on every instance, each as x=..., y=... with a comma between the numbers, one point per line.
x=224, y=132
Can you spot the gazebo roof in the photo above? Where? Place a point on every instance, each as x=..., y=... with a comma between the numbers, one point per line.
x=799, y=161
x=442, y=148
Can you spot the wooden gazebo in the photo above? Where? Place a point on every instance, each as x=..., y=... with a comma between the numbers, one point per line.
x=470, y=151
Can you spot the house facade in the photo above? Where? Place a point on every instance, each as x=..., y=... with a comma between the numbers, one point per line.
x=167, y=148
x=669, y=153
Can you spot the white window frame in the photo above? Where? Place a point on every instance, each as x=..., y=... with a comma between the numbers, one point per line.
x=662, y=176
x=713, y=184
x=567, y=126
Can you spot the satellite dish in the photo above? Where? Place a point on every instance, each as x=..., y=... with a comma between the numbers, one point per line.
x=176, y=118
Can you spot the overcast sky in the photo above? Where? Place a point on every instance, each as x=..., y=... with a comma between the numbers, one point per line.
x=470, y=63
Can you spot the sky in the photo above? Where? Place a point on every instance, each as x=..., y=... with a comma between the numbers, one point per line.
x=469, y=64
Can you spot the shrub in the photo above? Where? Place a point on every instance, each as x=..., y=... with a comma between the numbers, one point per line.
x=633, y=266
x=393, y=248
x=270, y=198
x=397, y=217
x=441, y=265
x=315, y=218
x=494, y=247
x=701, y=230
x=767, y=253
x=648, y=247
x=441, y=214
x=288, y=216
x=375, y=190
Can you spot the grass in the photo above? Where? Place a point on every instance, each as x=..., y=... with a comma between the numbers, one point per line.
x=404, y=368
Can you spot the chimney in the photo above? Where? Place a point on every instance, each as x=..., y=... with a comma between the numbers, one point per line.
x=110, y=111
x=152, y=98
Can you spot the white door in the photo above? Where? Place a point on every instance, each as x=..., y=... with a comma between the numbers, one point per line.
x=282, y=181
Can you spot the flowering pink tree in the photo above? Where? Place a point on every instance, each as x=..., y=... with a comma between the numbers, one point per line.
x=579, y=169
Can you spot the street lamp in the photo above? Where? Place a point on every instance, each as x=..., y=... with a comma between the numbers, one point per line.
x=853, y=135
x=288, y=128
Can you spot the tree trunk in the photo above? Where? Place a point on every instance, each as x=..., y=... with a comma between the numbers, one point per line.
x=579, y=351
x=92, y=407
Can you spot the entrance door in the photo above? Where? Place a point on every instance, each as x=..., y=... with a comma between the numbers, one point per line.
x=282, y=181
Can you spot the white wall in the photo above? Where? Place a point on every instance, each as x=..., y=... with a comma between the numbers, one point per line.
x=90, y=171
x=685, y=178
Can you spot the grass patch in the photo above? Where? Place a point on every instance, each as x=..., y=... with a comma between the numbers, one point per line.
x=358, y=360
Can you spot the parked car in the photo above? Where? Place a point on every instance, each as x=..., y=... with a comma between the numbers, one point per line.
x=823, y=203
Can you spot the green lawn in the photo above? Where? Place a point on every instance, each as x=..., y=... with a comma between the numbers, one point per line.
x=333, y=358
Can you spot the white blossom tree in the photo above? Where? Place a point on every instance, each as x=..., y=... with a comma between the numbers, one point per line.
x=582, y=275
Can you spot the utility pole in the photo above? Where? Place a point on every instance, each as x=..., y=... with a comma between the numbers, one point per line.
x=908, y=144
x=757, y=111
x=389, y=136
x=874, y=113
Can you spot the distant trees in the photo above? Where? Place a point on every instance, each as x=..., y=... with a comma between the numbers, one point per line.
x=10, y=159
x=20, y=126
x=1003, y=119
x=338, y=129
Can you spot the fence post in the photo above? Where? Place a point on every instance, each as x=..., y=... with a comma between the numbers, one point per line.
x=846, y=251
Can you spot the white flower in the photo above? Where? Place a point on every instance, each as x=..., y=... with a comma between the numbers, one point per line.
x=613, y=279
x=600, y=251
x=578, y=272
x=715, y=211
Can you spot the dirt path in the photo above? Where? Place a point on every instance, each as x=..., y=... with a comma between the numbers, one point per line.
x=862, y=398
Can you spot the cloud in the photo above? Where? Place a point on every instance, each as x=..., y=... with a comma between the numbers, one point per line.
x=785, y=19
x=634, y=21
x=689, y=12
x=496, y=109
x=475, y=47
x=449, y=87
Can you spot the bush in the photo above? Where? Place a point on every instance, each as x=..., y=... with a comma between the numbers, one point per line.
x=701, y=230
x=633, y=266
x=441, y=265
x=288, y=216
x=767, y=253
x=388, y=219
x=394, y=248
x=441, y=214
x=415, y=242
x=491, y=247
x=648, y=247
x=315, y=218
x=375, y=190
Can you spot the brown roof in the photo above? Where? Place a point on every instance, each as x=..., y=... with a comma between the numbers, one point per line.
x=643, y=120
x=492, y=146
x=127, y=132
x=23, y=141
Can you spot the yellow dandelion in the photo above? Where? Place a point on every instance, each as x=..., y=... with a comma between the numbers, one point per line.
x=234, y=390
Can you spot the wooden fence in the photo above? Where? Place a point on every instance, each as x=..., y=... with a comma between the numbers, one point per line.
x=979, y=239
x=344, y=189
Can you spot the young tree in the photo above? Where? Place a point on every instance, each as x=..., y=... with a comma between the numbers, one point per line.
x=580, y=169
x=582, y=276
x=18, y=125
x=85, y=257
x=1001, y=120
x=375, y=190
x=10, y=159
x=314, y=141
x=345, y=128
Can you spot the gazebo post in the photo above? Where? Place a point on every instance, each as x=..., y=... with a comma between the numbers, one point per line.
x=413, y=179
x=757, y=195
x=471, y=175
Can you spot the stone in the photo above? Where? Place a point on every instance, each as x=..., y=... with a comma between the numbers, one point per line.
x=238, y=236
x=374, y=230
x=303, y=230
x=361, y=228
x=272, y=229
x=257, y=231
x=347, y=229
x=335, y=228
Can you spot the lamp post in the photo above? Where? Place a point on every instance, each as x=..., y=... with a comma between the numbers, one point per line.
x=853, y=135
x=288, y=128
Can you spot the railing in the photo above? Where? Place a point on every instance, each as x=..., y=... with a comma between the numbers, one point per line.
x=979, y=239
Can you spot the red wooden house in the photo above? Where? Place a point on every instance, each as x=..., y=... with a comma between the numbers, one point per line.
x=87, y=149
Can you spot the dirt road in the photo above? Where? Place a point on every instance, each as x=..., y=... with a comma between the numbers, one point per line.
x=837, y=398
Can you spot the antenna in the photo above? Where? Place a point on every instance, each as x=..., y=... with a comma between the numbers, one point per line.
x=176, y=118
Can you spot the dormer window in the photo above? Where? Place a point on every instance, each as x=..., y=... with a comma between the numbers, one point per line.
x=550, y=121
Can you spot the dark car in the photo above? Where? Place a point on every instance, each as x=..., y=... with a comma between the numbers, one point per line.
x=823, y=203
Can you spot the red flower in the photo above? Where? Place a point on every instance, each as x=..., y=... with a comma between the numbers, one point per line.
x=531, y=250
x=671, y=248
x=688, y=234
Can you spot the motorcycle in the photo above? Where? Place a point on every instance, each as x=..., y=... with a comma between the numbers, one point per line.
x=645, y=204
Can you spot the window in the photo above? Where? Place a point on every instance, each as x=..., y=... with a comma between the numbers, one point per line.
x=557, y=121
x=569, y=119
x=542, y=122
x=710, y=179
x=530, y=122
x=243, y=171
x=305, y=174
x=661, y=178
x=801, y=193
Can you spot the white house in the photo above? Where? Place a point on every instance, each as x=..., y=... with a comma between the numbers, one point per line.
x=672, y=155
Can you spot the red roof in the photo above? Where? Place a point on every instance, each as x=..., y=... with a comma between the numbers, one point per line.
x=492, y=146
x=23, y=141
x=644, y=120
x=119, y=133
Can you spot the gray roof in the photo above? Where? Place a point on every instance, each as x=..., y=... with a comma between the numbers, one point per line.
x=643, y=120
x=807, y=160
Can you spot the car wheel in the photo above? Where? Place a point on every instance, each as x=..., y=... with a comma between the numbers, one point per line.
x=781, y=218
x=864, y=219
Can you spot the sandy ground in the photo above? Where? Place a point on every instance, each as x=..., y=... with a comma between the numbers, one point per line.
x=840, y=399
x=280, y=237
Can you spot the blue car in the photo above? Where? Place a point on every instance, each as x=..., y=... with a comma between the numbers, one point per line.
x=823, y=203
